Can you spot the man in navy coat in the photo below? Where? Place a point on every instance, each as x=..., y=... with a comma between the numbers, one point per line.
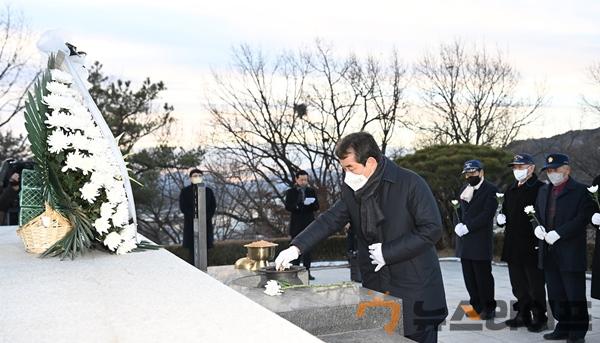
x=563, y=209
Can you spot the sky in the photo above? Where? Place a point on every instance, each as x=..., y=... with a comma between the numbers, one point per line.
x=179, y=42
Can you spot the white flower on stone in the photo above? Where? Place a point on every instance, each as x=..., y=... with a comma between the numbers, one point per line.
x=101, y=225
x=89, y=192
x=126, y=246
x=272, y=288
x=61, y=76
x=112, y=240
x=57, y=142
x=499, y=195
x=529, y=209
x=593, y=189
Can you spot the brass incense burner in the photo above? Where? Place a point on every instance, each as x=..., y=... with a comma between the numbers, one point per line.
x=258, y=255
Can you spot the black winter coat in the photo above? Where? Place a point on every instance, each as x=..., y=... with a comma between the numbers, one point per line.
x=478, y=216
x=186, y=205
x=596, y=262
x=301, y=215
x=574, y=209
x=410, y=231
x=520, y=243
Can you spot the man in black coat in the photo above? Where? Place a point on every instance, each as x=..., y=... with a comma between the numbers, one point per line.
x=563, y=209
x=187, y=205
x=474, y=245
x=301, y=201
x=397, y=224
x=520, y=246
x=596, y=262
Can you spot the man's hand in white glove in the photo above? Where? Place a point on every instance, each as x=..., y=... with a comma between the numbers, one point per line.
x=309, y=201
x=596, y=219
x=540, y=232
x=376, y=256
x=552, y=237
x=461, y=229
x=501, y=219
x=285, y=258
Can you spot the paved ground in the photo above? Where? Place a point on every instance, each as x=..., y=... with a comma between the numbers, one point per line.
x=457, y=327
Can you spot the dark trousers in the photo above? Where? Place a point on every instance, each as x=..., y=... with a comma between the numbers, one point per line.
x=306, y=260
x=528, y=287
x=566, y=295
x=480, y=284
x=429, y=335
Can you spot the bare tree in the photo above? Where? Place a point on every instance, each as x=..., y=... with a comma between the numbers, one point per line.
x=276, y=117
x=593, y=103
x=470, y=97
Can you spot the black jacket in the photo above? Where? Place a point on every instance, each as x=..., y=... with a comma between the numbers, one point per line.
x=520, y=243
x=574, y=209
x=301, y=215
x=478, y=216
x=411, y=229
x=596, y=262
x=186, y=205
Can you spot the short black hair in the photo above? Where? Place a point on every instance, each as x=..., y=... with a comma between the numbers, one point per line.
x=196, y=171
x=362, y=144
x=300, y=173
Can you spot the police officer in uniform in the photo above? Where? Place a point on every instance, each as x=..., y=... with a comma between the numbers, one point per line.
x=474, y=245
x=564, y=208
x=520, y=246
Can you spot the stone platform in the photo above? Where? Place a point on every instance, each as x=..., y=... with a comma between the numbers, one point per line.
x=330, y=314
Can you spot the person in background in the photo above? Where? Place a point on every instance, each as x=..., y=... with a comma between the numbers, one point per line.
x=563, y=209
x=187, y=205
x=9, y=201
x=520, y=246
x=397, y=223
x=301, y=201
x=474, y=245
x=596, y=261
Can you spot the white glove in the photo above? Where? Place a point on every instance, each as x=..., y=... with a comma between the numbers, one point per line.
x=552, y=237
x=596, y=219
x=376, y=256
x=285, y=258
x=501, y=219
x=540, y=232
x=309, y=201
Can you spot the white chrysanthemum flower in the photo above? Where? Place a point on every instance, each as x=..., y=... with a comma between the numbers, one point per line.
x=115, y=192
x=454, y=202
x=106, y=210
x=529, y=209
x=121, y=216
x=72, y=162
x=61, y=76
x=126, y=246
x=57, y=141
x=58, y=88
x=129, y=232
x=80, y=142
x=112, y=240
x=499, y=195
x=87, y=164
x=272, y=288
x=101, y=225
x=593, y=189
x=58, y=102
x=89, y=192
x=57, y=120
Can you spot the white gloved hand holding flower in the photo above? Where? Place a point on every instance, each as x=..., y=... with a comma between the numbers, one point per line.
x=285, y=258
x=540, y=232
x=376, y=256
x=552, y=237
x=501, y=219
x=596, y=219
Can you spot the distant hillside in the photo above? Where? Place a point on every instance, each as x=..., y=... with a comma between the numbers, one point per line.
x=582, y=146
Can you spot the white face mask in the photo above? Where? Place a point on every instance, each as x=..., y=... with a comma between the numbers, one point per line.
x=556, y=178
x=196, y=179
x=355, y=181
x=520, y=174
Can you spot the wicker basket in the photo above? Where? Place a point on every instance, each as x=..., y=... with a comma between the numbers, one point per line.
x=44, y=230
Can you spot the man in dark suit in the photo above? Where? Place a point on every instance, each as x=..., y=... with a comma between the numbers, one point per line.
x=187, y=205
x=301, y=201
x=563, y=209
x=596, y=263
x=520, y=246
x=474, y=245
x=397, y=224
